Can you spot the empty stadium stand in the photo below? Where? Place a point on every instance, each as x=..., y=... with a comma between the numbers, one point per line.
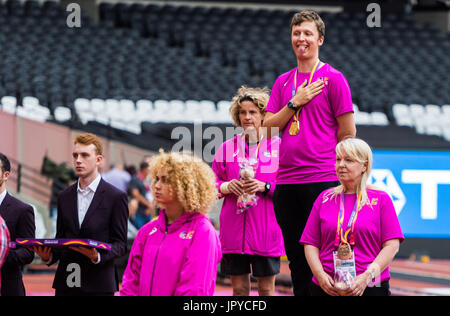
x=146, y=64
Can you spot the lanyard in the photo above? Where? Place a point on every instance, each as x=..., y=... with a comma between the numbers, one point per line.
x=294, y=86
x=256, y=152
x=342, y=236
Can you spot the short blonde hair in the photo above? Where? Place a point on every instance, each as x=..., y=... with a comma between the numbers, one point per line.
x=90, y=139
x=259, y=97
x=193, y=180
x=360, y=151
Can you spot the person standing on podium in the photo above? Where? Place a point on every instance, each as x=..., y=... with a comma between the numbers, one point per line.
x=312, y=106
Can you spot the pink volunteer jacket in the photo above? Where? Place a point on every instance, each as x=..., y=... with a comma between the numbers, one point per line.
x=255, y=231
x=176, y=260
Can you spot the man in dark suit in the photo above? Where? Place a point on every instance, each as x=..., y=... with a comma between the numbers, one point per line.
x=19, y=218
x=89, y=209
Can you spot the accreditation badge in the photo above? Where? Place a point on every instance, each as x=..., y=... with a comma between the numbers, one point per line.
x=344, y=267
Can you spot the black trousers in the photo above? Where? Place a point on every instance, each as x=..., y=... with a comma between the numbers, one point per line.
x=293, y=203
x=382, y=290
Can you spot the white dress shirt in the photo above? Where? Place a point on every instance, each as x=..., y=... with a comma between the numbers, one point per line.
x=85, y=198
x=2, y=197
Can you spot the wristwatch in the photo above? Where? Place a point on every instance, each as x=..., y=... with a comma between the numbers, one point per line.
x=292, y=106
x=266, y=188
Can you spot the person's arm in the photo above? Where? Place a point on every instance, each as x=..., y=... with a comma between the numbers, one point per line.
x=326, y=282
x=384, y=258
x=25, y=228
x=252, y=186
x=282, y=117
x=347, y=128
x=232, y=187
x=48, y=255
x=391, y=236
x=118, y=230
x=131, y=277
x=140, y=198
x=219, y=166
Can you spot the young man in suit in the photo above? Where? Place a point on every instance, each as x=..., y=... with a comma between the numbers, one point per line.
x=89, y=209
x=19, y=218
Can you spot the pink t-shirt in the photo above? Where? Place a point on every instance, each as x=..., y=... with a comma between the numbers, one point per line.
x=310, y=155
x=376, y=223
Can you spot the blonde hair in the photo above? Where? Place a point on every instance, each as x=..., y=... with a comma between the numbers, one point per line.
x=360, y=151
x=259, y=97
x=90, y=139
x=189, y=177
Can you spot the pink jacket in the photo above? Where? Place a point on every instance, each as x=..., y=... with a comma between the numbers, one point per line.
x=255, y=231
x=175, y=260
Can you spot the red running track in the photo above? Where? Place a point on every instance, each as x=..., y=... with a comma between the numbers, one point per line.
x=409, y=278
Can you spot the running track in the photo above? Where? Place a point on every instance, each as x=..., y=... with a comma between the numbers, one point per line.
x=409, y=278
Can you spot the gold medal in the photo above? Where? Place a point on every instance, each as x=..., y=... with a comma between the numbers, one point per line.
x=294, y=129
x=344, y=251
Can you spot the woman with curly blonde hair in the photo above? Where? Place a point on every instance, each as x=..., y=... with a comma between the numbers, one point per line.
x=246, y=167
x=178, y=253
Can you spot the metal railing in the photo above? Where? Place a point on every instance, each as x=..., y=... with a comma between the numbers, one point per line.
x=30, y=180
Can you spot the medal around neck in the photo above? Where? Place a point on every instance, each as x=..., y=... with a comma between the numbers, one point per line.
x=344, y=251
x=294, y=129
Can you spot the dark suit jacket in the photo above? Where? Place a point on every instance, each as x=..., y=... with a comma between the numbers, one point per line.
x=19, y=218
x=106, y=220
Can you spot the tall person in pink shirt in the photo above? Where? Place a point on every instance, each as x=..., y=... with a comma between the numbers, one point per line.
x=312, y=107
x=176, y=254
x=353, y=217
x=251, y=239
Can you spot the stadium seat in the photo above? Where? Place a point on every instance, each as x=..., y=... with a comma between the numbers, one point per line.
x=433, y=111
x=144, y=109
x=446, y=110
x=130, y=53
x=9, y=104
x=379, y=119
x=82, y=105
x=62, y=114
x=97, y=106
x=362, y=118
x=446, y=133
x=402, y=115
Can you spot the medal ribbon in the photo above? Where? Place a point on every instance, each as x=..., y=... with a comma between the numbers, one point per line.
x=342, y=236
x=257, y=147
x=294, y=86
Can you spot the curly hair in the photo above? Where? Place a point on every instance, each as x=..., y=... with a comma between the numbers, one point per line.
x=188, y=176
x=259, y=97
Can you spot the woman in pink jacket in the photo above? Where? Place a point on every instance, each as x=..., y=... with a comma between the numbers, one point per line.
x=177, y=253
x=246, y=167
